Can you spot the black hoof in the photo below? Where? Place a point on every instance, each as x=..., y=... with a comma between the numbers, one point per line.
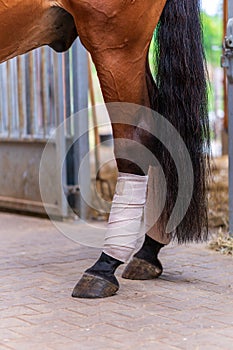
x=139, y=269
x=93, y=286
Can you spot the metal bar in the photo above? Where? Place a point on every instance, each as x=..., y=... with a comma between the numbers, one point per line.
x=9, y=98
x=31, y=94
x=15, y=98
x=3, y=92
x=38, y=123
x=27, y=92
x=60, y=133
x=67, y=92
x=20, y=96
x=230, y=128
x=81, y=146
x=45, y=90
x=24, y=139
x=51, y=80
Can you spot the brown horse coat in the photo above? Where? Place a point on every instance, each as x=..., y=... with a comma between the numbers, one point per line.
x=117, y=34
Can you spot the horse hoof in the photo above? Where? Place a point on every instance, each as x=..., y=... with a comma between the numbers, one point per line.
x=93, y=286
x=139, y=269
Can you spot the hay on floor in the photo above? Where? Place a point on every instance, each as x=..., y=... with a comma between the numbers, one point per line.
x=219, y=208
x=222, y=243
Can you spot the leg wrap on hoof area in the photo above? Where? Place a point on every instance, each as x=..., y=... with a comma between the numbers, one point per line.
x=98, y=281
x=120, y=240
x=126, y=216
x=145, y=264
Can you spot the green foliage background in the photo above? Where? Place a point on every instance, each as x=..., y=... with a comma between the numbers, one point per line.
x=213, y=37
x=213, y=34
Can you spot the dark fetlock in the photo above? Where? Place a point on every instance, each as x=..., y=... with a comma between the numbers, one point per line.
x=99, y=280
x=145, y=264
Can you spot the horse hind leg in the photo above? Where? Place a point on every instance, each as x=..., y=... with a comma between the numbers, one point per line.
x=129, y=141
x=124, y=230
x=120, y=59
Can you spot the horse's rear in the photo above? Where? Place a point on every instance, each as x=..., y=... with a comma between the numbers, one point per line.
x=26, y=25
x=118, y=35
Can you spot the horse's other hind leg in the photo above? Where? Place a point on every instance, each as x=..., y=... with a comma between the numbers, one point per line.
x=118, y=37
x=145, y=264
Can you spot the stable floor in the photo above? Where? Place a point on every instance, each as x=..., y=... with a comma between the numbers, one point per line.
x=189, y=307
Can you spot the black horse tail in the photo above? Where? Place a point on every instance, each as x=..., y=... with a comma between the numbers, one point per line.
x=180, y=95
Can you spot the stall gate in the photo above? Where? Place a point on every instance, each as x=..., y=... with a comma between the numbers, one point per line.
x=39, y=91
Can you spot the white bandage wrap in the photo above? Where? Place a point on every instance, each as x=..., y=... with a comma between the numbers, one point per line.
x=126, y=216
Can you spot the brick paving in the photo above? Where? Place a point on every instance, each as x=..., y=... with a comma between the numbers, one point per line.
x=189, y=307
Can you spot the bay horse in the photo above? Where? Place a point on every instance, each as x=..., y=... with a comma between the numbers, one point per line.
x=118, y=33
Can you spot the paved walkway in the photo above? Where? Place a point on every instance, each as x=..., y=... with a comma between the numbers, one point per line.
x=190, y=307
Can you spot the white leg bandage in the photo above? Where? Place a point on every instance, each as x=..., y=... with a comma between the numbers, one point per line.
x=126, y=216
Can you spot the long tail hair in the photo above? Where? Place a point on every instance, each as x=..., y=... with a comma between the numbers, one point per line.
x=180, y=95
